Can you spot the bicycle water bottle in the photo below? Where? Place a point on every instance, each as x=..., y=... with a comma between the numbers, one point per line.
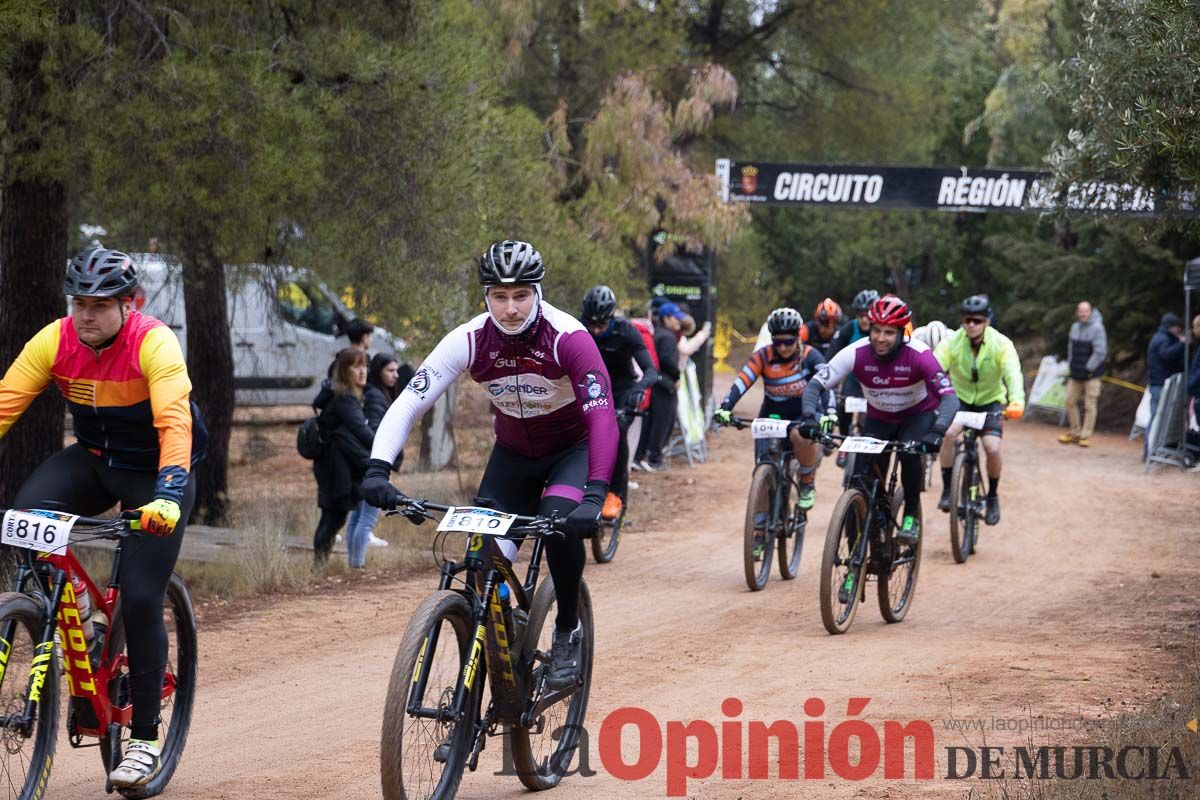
x=514, y=619
x=84, y=603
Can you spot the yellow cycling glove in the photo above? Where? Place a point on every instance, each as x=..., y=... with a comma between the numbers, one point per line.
x=160, y=517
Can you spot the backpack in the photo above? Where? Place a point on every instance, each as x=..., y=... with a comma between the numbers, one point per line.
x=308, y=439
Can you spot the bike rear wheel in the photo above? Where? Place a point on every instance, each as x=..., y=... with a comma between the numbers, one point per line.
x=176, y=711
x=898, y=581
x=25, y=760
x=408, y=769
x=542, y=753
x=760, y=518
x=791, y=539
x=847, y=523
x=606, y=539
x=960, y=507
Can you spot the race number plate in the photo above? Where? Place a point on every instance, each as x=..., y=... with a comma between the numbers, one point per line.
x=856, y=405
x=765, y=428
x=971, y=419
x=863, y=444
x=469, y=519
x=44, y=531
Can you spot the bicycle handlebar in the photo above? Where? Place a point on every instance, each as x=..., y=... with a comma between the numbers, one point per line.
x=114, y=528
x=741, y=423
x=522, y=525
x=899, y=445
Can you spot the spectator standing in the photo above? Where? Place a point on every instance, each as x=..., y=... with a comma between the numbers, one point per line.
x=1164, y=357
x=1087, y=346
x=657, y=430
x=343, y=461
x=386, y=378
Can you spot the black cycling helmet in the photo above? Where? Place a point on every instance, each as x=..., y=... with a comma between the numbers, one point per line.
x=599, y=304
x=979, y=304
x=97, y=272
x=509, y=262
x=864, y=299
x=784, y=320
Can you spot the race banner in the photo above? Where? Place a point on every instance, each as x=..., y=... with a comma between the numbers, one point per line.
x=933, y=188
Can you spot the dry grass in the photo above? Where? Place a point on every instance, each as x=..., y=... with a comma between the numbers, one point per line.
x=1163, y=725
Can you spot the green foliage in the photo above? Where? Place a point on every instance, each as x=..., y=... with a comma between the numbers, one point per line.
x=1134, y=91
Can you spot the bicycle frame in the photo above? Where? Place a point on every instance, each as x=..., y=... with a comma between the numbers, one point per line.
x=489, y=653
x=878, y=506
x=61, y=610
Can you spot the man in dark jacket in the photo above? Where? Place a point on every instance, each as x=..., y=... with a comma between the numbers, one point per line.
x=657, y=430
x=1087, y=347
x=1164, y=357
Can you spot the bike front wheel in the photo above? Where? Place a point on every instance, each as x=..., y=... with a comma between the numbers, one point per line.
x=423, y=755
x=179, y=687
x=758, y=538
x=542, y=752
x=26, y=756
x=960, y=510
x=606, y=539
x=898, y=573
x=841, y=576
x=791, y=541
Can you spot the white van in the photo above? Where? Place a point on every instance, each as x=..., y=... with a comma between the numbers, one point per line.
x=284, y=324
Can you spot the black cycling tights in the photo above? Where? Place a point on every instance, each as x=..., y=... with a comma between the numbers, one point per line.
x=912, y=472
x=520, y=485
x=78, y=482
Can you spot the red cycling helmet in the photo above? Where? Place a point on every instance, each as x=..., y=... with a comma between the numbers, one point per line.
x=890, y=310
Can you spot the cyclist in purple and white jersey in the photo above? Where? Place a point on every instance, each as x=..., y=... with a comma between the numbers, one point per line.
x=556, y=432
x=909, y=397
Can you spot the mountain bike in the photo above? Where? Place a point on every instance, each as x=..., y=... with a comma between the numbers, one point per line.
x=608, y=537
x=966, y=485
x=42, y=635
x=861, y=539
x=771, y=520
x=466, y=635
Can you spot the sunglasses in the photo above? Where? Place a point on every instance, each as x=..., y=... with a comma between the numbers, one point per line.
x=786, y=341
x=974, y=320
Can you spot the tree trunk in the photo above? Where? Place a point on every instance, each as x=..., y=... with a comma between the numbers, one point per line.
x=210, y=366
x=33, y=254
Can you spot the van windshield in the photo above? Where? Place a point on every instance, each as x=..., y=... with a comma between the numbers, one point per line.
x=303, y=303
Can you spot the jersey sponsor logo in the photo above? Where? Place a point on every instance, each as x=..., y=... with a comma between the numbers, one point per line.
x=529, y=395
x=902, y=368
x=420, y=382
x=497, y=388
x=879, y=381
x=896, y=399
x=870, y=368
x=595, y=385
x=823, y=374
x=506, y=362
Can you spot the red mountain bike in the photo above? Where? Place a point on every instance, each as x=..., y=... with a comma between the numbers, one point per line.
x=43, y=635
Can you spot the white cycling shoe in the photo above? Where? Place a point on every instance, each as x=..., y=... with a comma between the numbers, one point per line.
x=141, y=763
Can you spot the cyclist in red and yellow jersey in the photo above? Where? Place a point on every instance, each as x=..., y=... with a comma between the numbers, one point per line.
x=137, y=435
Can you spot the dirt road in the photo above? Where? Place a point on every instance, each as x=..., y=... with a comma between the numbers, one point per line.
x=1080, y=604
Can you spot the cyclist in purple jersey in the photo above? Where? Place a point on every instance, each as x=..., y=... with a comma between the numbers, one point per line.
x=556, y=432
x=909, y=397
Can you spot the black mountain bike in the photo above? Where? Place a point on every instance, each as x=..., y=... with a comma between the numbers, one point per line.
x=771, y=519
x=608, y=537
x=466, y=634
x=966, y=486
x=862, y=539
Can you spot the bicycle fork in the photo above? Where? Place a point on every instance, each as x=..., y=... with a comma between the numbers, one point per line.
x=43, y=655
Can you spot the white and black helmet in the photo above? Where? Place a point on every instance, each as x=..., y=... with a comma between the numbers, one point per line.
x=784, y=320
x=97, y=272
x=509, y=262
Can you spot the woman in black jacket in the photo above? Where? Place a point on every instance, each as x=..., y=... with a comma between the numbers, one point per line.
x=348, y=438
x=385, y=381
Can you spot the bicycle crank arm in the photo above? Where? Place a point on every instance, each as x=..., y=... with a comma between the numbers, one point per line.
x=546, y=700
x=477, y=744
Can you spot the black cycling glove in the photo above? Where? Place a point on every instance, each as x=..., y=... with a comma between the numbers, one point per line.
x=584, y=521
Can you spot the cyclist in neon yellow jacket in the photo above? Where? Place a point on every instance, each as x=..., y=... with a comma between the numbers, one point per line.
x=986, y=372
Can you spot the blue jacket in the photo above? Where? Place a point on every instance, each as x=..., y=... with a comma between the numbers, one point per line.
x=1164, y=357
